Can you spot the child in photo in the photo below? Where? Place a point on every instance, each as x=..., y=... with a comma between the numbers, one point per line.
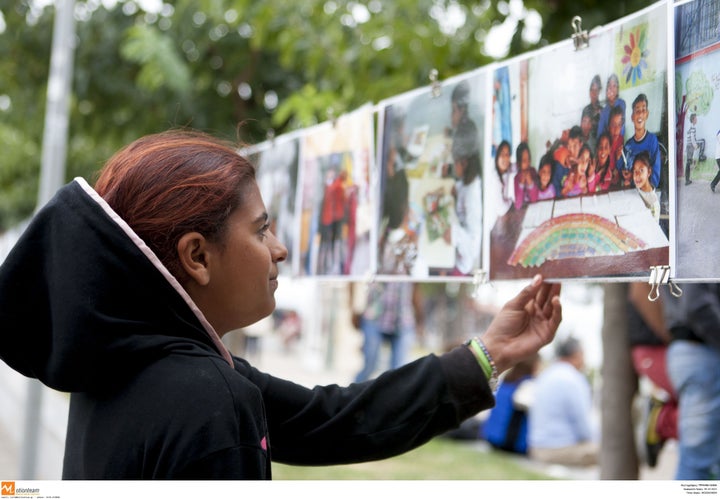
x=574, y=143
x=592, y=176
x=642, y=170
x=692, y=144
x=525, y=179
x=642, y=140
x=615, y=126
x=576, y=182
x=586, y=125
x=715, y=180
x=506, y=173
x=561, y=167
x=612, y=92
x=546, y=189
x=593, y=109
x=626, y=178
x=606, y=170
x=566, y=152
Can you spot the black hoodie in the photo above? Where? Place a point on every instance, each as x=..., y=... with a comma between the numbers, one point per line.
x=87, y=308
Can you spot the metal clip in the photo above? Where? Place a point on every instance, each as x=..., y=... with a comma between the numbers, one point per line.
x=675, y=289
x=580, y=38
x=434, y=83
x=659, y=275
x=331, y=116
x=479, y=277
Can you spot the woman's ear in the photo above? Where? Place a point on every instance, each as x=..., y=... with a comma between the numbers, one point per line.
x=192, y=251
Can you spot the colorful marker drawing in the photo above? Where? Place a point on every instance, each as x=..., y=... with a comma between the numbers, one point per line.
x=574, y=235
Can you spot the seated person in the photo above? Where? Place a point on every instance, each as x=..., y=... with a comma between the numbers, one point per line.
x=560, y=419
x=506, y=426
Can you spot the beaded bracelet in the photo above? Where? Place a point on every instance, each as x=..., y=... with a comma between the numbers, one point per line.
x=485, y=360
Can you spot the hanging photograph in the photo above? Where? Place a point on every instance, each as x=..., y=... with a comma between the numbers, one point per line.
x=430, y=217
x=335, y=203
x=697, y=124
x=276, y=163
x=577, y=184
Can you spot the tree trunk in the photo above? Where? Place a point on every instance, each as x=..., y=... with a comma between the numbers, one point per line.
x=618, y=453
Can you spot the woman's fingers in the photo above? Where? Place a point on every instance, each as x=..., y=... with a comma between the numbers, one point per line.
x=527, y=294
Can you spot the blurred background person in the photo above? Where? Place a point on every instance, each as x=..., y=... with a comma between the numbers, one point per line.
x=649, y=339
x=390, y=314
x=560, y=424
x=506, y=427
x=693, y=364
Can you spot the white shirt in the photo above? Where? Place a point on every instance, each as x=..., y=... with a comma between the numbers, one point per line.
x=561, y=412
x=651, y=200
x=467, y=234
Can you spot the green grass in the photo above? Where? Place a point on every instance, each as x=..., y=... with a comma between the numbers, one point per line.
x=439, y=459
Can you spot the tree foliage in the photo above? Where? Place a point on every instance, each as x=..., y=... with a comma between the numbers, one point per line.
x=215, y=64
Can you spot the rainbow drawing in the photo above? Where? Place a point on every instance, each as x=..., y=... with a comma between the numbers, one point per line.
x=575, y=235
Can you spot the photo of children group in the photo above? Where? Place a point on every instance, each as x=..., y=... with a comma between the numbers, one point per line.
x=579, y=184
x=431, y=210
x=559, y=161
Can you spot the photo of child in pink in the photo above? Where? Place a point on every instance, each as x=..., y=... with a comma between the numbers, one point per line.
x=526, y=190
x=546, y=189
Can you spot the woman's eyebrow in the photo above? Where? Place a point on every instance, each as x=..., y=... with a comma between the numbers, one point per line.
x=261, y=218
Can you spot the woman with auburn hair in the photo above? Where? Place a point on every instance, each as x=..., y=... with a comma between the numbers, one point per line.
x=120, y=295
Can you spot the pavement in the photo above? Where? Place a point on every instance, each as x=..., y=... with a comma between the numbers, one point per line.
x=49, y=434
x=10, y=455
x=697, y=230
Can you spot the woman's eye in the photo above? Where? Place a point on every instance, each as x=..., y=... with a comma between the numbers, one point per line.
x=264, y=230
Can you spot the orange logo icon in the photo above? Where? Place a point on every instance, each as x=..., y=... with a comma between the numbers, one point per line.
x=8, y=488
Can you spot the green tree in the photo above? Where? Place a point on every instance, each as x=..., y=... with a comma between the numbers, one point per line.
x=699, y=91
x=215, y=64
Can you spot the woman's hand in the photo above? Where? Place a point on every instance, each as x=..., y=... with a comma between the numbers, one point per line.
x=525, y=324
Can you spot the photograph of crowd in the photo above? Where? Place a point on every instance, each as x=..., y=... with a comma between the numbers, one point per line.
x=335, y=196
x=578, y=183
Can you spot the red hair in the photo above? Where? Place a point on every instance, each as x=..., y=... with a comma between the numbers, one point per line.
x=168, y=184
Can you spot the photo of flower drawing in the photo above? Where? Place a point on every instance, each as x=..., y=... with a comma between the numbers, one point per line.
x=580, y=183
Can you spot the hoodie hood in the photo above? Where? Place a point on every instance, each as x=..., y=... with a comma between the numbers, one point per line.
x=84, y=303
